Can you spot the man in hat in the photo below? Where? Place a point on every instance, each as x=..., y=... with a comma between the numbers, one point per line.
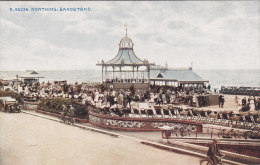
x=214, y=153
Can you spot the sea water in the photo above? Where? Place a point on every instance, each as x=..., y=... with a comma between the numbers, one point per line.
x=217, y=78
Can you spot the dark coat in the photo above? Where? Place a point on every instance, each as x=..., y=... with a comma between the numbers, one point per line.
x=213, y=150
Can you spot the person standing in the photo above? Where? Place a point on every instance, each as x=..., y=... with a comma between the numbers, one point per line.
x=236, y=100
x=151, y=101
x=168, y=97
x=219, y=100
x=124, y=99
x=251, y=104
x=111, y=99
x=160, y=99
x=244, y=102
x=96, y=96
x=105, y=97
x=222, y=102
x=128, y=99
x=71, y=111
x=196, y=99
x=120, y=98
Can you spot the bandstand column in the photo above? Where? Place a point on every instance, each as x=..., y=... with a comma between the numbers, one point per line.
x=148, y=71
x=113, y=72
x=133, y=72
x=137, y=79
x=102, y=73
x=120, y=73
x=105, y=73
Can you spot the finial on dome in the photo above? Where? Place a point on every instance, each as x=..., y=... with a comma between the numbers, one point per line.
x=126, y=29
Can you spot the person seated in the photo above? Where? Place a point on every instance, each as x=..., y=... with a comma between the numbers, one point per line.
x=245, y=108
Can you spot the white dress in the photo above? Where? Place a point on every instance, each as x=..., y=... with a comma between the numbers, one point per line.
x=96, y=96
x=252, y=105
x=152, y=98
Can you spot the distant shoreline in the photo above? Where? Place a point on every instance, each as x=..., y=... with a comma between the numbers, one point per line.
x=217, y=78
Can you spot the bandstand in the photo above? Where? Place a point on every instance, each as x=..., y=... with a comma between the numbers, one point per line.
x=30, y=76
x=126, y=70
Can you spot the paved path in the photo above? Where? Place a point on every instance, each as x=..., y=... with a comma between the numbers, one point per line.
x=29, y=140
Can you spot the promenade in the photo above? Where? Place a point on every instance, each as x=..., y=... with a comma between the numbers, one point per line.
x=52, y=134
x=30, y=140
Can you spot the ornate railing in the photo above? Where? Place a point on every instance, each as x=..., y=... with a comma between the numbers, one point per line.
x=243, y=120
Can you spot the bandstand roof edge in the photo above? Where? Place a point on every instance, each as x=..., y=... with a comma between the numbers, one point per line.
x=183, y=76
x=163, y=80
x=193, y=82
x=127, y=57
x=104, y=64
x=127, y=71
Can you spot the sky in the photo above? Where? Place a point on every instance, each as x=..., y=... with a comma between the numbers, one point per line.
x=211, y=35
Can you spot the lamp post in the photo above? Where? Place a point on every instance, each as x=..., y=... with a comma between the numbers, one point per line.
x=17, y=82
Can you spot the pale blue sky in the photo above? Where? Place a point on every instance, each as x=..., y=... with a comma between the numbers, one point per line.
x=212, y=35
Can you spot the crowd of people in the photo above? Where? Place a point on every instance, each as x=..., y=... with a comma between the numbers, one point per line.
x=252, y=103
x=100, y=95
x=125, y=80
x=157, y=95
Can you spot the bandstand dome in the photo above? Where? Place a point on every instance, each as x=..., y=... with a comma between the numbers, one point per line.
x=126, y=42
x=126, y=55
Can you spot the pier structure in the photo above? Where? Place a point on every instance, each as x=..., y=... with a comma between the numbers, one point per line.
x=126, y=70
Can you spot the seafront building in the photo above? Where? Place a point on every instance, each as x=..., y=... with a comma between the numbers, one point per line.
x=184, y=77
x=126, y=70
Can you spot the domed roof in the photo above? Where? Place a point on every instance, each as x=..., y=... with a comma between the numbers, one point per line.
x=126, y=42
x=126, y=55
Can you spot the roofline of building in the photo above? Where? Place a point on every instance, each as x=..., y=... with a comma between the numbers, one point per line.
x=184, y=82
x=29, y=77
x=174, y=69
x=194, y=82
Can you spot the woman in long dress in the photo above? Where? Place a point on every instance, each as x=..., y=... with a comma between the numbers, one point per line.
x=96, y=96
x=252, y=105
x=236, y=100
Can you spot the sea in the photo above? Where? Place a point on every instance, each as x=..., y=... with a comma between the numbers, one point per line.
x=217, y=78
